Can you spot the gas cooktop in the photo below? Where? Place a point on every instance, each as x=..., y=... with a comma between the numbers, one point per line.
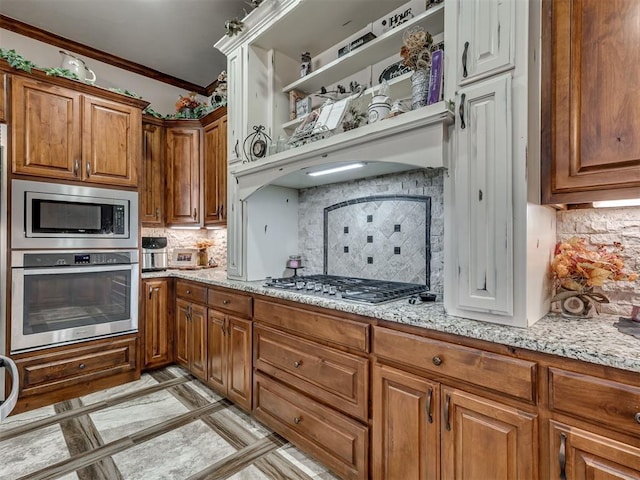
x=348, y=288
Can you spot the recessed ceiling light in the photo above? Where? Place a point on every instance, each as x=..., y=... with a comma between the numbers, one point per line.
x=335, y=169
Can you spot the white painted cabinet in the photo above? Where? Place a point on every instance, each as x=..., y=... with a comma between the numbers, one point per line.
x=483, y=219
x=235, y=104
x=235, y=243
x=485, y=38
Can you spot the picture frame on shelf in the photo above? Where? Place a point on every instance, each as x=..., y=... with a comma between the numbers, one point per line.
x=294, y=96
x=185, y=258
x=303, y=107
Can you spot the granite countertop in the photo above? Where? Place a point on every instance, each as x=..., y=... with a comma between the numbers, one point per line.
x=594, y=340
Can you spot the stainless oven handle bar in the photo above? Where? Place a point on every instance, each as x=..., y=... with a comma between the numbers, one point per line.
x=75, y=269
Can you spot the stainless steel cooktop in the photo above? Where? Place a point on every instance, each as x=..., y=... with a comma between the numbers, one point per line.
x=348, y=288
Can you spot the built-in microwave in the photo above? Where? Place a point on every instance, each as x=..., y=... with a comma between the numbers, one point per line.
x=52, y=216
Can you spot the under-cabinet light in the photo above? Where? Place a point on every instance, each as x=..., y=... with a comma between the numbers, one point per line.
x=335, y=169
x=185, y=228
x=631, y=202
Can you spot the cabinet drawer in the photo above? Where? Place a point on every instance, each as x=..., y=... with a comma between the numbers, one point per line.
x=603, y=401
x=56, y=370
x=333, y=438
x=191, y=291
x=337, y=378
x=489, y=370
x=231, y=302
x=323, y=327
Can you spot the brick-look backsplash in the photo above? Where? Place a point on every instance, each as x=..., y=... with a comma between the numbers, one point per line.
x=423, y=182
x=606, y=226
x=177, y=238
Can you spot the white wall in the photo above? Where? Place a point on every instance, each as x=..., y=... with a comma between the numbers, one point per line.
x=161, y=95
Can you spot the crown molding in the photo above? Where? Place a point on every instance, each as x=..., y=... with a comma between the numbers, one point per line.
x=16, y=26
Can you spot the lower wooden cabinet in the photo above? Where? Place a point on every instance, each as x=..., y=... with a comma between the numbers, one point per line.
x=336, y=440
x=50, y=376
x=577, y=454
x=191, y=337
x=229, y=341
x=158, y=323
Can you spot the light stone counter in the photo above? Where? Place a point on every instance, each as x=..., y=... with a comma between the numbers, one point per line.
x=593, y=340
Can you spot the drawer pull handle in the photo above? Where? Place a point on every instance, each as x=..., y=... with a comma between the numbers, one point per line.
x=465, y=52
x=297, y=363
x=429, y=399
x=562, y=456
x=437, y=360
x=82, y=366
x=226, y=302
x=637, y=417
x=297, y=420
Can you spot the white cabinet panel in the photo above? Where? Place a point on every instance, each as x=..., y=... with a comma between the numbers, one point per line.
x=484, y=197
x=485, y=38
x=235, y=242
x=235, y=105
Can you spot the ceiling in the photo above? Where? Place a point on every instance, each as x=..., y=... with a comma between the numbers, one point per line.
x=174, y=37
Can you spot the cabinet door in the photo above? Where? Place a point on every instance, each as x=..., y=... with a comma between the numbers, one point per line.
x=580, y=455
x=595, y=114
x=46, y=129
x=183, y=312
x=183, y=176
x=217, y=351
x=215, y=171
x=485, y=38
x=152, y=192
x=158, y=338
x=198, y=341
x=235, y=262
x=235, y=104
x=406, y=442
x=111, y=140
x=483, y=197
x=239, y=366
x=484, y=439
x=3, y=97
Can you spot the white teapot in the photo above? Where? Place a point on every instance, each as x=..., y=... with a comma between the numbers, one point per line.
x=77, y=66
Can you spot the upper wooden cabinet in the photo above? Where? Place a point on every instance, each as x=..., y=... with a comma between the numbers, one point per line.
x=152, y=193
x=60, y=132
x=215, y=171
x=183, y=175
x=592, y=117
x=3, y=97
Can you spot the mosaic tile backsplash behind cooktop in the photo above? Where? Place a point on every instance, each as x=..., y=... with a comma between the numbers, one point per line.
x=389, y=227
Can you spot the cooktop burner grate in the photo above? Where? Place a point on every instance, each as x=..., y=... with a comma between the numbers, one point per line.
x=348, y=288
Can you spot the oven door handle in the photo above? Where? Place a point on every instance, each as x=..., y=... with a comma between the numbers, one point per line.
x=76, y=269
x=7, y=406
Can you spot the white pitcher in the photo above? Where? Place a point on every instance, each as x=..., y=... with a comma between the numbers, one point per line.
x=77, y=66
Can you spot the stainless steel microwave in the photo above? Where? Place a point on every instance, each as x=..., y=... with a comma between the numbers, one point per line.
x=53, y=216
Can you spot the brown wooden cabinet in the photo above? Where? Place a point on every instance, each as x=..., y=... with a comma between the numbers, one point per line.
x=59, y=132
x=3, y=97
x=229, y=345
x=424, y=429
x=158, y=323
x=591, y=111
x=183, y=175
x=215, y=171
x=152, y=192
x=191, y=328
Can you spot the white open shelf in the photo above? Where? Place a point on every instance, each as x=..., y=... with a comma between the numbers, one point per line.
x=378, y=49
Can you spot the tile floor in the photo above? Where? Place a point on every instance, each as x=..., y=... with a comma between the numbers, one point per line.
x=167, y=425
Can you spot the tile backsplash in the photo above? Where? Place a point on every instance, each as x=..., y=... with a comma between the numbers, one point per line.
x=606, y=226
x=179, y=238
x=376, y=227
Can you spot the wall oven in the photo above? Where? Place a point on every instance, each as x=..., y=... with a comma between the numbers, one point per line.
x=60, y=297
x=52, y=215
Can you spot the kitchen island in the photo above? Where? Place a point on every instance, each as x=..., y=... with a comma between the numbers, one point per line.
x=595, y=340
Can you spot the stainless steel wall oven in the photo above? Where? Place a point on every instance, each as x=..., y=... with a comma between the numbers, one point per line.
x=59, y=297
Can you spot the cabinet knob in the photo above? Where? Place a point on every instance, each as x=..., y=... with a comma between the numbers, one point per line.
x=188, y=292
x=82, y=366
x=297, y=420
x=195, y=213
x=637, y=417
x=437, y=360
x=76, y=167
x=297, y=363
x=157, y=213
x=88, y=169
x=226, y=302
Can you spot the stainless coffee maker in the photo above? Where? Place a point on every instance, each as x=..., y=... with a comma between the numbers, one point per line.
x=154, y=254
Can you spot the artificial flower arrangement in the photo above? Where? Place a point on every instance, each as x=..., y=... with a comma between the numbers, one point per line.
x=416, y=49
x=577, y=269
x=187, y=102
x=204, y=244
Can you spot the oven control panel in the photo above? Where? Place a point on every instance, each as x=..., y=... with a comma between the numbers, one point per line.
x=62, y=259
